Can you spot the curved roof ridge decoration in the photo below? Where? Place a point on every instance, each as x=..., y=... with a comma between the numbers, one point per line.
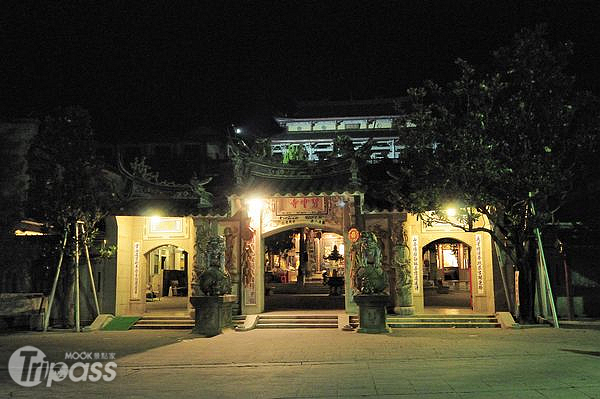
x=256, y=170
x=289, y=195
x=308, y=170
x=148, y=187
x=315, y=194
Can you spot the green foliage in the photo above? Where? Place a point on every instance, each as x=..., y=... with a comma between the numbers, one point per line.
x=295, y=152
x=66, y=181
x=107, y=252
x=14, y=182
x=490, y=142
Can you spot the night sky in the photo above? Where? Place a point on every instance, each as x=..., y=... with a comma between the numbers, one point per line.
x=162, y=70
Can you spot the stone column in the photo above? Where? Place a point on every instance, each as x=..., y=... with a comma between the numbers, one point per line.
x=401, y=264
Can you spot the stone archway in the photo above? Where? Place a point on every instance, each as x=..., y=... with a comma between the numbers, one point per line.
x=447, y=273
x=167, y=278
x=295, y=257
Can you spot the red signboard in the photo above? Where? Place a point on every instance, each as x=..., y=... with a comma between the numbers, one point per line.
x=301, y=206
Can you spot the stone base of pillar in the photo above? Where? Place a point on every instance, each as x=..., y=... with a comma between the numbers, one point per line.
x=371, y=310
x=212, y=314
x=227, y=311
x=404, y=310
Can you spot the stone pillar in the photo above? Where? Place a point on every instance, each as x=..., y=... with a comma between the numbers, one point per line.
x=403, y=300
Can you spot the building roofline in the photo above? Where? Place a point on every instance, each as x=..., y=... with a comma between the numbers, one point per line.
x=328, y=135
x=330, y=118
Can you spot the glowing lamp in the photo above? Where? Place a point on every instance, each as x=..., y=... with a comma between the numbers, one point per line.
x=255, y=207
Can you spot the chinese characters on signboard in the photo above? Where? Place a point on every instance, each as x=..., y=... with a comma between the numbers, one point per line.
x=135, y=276
x=301, y=206
x=415, y=264
x=478, y=264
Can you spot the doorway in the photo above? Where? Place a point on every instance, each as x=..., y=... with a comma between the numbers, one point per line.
x=447, y=274
x=304, y=269
x=166, y=279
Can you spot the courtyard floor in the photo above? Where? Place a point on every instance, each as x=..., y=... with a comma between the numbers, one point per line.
x=536, y=362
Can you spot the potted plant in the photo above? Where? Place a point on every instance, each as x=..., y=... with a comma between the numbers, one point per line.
x=369, y=283
x=213, y=308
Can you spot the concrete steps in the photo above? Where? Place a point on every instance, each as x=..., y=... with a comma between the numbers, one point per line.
x=164, y=322
x=438, y=321
x=293, y=288
x=238, y=320
x=312, y=295
x=303, y=302
x=443, y=321
x=297, y=321
x=172, y=322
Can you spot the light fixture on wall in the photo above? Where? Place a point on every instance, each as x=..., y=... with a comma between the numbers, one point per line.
x=254, y=207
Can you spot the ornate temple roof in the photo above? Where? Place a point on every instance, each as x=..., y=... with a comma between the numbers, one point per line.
x=296, y=178
x=141, y=189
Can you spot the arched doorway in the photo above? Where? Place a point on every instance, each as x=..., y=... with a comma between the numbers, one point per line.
x=166, y=278
x=296, y=261
x=447, y=274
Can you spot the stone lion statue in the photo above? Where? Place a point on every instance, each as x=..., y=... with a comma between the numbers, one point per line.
x=368, y=276
x=215, y=280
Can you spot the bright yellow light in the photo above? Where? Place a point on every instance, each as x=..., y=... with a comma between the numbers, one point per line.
x=254, y=204
x=451, y=212
x=28, y=233
x=255, y=207
x=154, y=220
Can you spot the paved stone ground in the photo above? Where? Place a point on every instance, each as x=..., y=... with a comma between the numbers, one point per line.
x=408, y=363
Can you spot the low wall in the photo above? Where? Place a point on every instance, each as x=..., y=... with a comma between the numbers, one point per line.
x=22, y=311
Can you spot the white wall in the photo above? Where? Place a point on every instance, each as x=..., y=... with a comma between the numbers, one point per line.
x=134, y=229
x=482, y=302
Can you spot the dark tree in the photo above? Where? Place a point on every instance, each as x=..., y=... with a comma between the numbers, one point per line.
x=67, y=185
x=492, y=143
x=66, y=181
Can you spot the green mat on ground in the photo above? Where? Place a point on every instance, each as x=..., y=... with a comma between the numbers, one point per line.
x=121, y=323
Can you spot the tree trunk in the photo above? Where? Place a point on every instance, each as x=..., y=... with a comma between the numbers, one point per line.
x=526, y=256
x=68, y=311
